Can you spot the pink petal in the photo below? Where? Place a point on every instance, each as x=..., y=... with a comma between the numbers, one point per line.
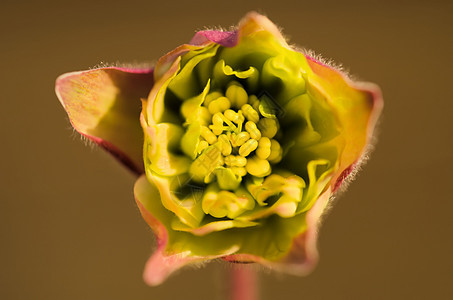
x=223, y=38
x=252, y=22
x=104, y=106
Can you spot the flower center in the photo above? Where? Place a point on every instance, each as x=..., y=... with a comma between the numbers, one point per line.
x=237, y=138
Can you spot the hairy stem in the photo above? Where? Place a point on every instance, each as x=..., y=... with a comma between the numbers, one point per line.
x=243, y=283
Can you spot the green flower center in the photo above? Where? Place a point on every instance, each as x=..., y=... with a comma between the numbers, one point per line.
x=239, y=138
x=236, y=138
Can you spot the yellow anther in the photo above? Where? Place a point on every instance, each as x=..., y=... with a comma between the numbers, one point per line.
x=219, y=105
x=241, y=117
x=208, y=135
x=235, y=161
x=254, y=102
x=226, y=146
x=268, y=127
x=217, y=123
x=240, y=171
x=237, y=95
x=221, y=160
x=209, y=178
x=205, y=115
x=250, y=113
x=264, y=148
x=201, y=146
x=239, y=139
x=217, y=119
x=248, y=147
x=232, y=115
x=253, y=130
x=241, y=120
x=258, y=167
x=276, y=152
x=230, y=124
x=211, y=96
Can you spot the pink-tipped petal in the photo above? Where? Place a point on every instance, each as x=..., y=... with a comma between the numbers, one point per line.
x=303, y=255
x=223, y=38
x=251, y=23
x=162, y=264
x=104, y=106
x=365, y=107
x=254, y=22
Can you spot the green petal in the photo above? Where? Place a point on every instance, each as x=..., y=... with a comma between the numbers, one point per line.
x=190, y=108
x=162, y=143
x=319, y=174
x=187, y=210
x=185, y=85
x=191, y=139
x=212, y=226
x=284, y=75
x=356, y=105
x=271, y=240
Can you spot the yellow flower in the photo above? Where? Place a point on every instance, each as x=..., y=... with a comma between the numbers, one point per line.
x=244, y=139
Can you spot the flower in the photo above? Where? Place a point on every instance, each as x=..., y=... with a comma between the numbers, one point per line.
x=240, y=143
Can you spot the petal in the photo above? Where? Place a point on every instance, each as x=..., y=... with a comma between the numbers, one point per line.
x=104, y=106
x=178, y=245
x=223, y=38
x=303, y=254
x=254, y=22
x=162, y=263
x=357, y=106
x=213, y=226
x=250, y=24
x=159, y=153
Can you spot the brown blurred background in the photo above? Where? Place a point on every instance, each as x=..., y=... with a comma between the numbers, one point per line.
x=68, y=222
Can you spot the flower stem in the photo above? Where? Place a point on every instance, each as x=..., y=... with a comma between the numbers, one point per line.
x=243, y=283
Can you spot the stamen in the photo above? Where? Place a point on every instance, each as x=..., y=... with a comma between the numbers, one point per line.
x=239, y=139
x=241, y=120
x=253, y=130
x=217, y=123
x=264, y=148
x=209, y=178
x=248, y=147
x=239, y=171
x=219, y=105
x=235, y=161
x=229, y=123
x=237, y=95
x=237, y=152
x=269, y=127
x=208, y=135
x=276, y=152
x=258, y=167
x=232, y=115
x=210, y=97
x=201, y=146
x=226, y=146
x=254, y=102
x=250, y=113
